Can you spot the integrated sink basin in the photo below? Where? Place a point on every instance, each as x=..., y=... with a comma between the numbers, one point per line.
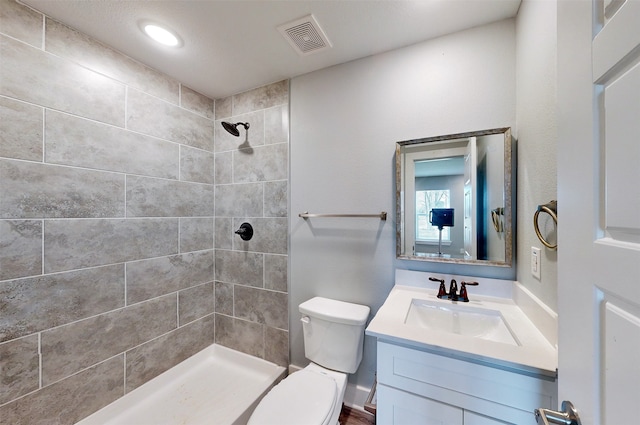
x=459, y=319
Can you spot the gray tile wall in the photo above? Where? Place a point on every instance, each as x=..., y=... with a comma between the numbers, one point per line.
x=118, y=257
x=251, y=181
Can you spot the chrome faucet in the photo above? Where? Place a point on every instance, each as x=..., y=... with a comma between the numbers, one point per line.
x=453, y=290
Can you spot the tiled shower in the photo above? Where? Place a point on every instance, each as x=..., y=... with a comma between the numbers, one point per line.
x=119, y=196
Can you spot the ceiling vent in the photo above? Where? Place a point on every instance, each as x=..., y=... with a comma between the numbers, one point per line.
x=305, y=35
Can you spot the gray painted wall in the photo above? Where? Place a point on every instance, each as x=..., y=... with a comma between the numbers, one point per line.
x=537, y=138
x=342, y=147
x=345, y=121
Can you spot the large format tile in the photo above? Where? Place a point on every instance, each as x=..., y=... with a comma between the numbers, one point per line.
x=276, y=125
x=20, y=248
x=276, y=199
x=151, y=278
x=262, y=306
x=223, y=168
x=276, y=346
x=68, y=401
x=265, y=163
x=20, y=130
x=196, y=102
x=275, y=272
x=20, y=371
x=35, y=190
x=35, y=304
x=73, y=347
x=38, y=77
x=21, y=22
x=70, y=44
x=224, y=233
x=224, y=298
x=196, y=165
x=240, y=335
x=195, y=303
x=270, y=235
x=150, y=115
x=154, y=357
x=239, y=200
x=73, y=244
x=224, y=107
x=148, y=197
x=75, y=141
x=196, y=234
x=239, y=267
x=261, y=97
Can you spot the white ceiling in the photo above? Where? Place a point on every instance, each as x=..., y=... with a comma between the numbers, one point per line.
x=231, y=46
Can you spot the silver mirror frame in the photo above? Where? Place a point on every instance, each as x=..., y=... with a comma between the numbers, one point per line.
x=508, y=198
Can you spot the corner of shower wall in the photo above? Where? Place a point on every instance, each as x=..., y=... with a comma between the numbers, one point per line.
x=251, y=185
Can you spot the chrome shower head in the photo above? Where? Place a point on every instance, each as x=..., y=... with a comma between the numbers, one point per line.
x=233, y=128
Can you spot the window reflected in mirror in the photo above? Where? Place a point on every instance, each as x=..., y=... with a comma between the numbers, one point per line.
x=454, y=198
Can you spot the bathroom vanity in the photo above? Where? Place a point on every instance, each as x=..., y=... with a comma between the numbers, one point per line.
x=477, y=363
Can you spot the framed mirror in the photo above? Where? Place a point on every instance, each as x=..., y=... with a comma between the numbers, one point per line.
x=454, y=198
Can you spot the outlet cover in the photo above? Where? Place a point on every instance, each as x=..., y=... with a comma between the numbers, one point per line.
x=535, y=262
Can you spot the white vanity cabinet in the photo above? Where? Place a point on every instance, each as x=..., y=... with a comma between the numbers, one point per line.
x=420, y=387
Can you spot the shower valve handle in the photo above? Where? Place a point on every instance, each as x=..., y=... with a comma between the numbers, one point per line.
x=245, y=231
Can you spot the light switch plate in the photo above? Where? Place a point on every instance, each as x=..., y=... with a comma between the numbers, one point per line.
x=535, y=262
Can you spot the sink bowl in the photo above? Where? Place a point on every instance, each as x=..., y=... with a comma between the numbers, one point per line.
x=459, y=319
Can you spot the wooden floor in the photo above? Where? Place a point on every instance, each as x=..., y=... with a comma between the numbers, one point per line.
x=350, y=416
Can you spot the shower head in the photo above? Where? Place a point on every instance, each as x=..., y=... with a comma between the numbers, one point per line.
x=233, y=128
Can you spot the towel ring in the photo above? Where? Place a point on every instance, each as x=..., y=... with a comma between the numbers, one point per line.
x=550, y=208
x=497, y=221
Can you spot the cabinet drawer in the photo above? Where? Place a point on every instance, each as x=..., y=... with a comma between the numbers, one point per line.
x=402, y=408
x=489, y=391
x=471, y=418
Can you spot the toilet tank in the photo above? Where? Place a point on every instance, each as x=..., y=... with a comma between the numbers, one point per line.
x=333, y=333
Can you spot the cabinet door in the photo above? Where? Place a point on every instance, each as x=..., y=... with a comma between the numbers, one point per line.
x=397, y=407
x=471, y=418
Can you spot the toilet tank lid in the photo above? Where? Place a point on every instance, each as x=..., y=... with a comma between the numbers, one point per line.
x=335, y=311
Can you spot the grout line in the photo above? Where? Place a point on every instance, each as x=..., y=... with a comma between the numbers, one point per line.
x=43, y=45
x=177, y=309
x=42, y=224
x=39, y=360
x=126, y=105
x=179, y=163
x=124, y=373
x=44, y=135
x=126, y=292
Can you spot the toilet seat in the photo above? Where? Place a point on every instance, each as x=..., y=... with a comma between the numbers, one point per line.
x=303, y=398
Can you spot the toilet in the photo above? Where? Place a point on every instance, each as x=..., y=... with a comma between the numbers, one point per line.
x=333, y=338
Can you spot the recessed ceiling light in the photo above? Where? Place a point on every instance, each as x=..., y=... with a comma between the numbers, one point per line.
x=161, y=35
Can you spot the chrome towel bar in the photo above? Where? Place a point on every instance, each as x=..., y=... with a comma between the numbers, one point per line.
x=382, y=216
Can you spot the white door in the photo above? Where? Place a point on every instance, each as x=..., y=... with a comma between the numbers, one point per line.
x=599, y=209
x=470, y=199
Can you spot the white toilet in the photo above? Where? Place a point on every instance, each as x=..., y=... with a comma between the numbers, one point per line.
x=333, y=336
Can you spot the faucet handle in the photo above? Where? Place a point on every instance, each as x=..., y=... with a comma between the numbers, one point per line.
x=463, y=290
x=442, y=291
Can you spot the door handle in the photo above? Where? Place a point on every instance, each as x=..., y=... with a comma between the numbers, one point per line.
x=569, y=415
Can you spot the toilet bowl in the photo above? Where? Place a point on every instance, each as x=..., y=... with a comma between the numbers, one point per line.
x=333, y=338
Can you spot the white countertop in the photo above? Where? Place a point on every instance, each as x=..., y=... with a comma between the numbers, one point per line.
x=533, y=354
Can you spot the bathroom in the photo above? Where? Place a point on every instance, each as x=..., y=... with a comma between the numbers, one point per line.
x=203, y=285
